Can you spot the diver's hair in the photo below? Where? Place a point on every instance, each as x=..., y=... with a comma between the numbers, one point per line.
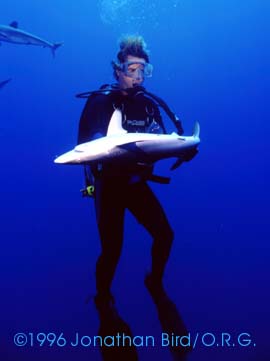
x=130, y=45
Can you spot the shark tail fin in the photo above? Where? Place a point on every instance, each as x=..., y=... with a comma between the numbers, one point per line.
x=196, y=130
x=55, y=47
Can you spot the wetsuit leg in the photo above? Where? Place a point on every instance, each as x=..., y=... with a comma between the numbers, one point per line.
x=110, y=210
x=144, y=205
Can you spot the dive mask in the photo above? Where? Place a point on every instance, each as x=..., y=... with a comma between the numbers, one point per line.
x=132, y=69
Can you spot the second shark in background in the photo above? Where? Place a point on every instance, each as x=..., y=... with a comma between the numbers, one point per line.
x=12, y=34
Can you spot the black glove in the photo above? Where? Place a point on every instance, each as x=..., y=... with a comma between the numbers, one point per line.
x=179, y=127
x=189, y=154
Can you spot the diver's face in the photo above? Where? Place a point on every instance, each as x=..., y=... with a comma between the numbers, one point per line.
x=133, y=73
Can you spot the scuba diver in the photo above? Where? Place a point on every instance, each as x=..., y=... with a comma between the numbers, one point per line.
x=117, y=187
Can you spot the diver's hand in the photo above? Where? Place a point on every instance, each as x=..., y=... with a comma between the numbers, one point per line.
x=189, y=154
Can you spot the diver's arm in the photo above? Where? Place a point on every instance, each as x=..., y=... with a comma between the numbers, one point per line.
x=84, y=125
x=90, y=128
x=93, y=119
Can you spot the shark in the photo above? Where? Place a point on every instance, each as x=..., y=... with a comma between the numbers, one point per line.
x=120, y=146
x=4, y=82
x=12, y=34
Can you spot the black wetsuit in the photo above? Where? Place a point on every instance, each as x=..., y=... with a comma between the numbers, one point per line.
x=118, y=188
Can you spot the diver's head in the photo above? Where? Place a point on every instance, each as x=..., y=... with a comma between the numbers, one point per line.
x=132, y=64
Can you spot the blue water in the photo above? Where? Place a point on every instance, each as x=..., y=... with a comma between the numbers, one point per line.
x=211, y=64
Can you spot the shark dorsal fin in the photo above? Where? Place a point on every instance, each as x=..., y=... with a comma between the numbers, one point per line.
x=115, y=125
x=14, y=24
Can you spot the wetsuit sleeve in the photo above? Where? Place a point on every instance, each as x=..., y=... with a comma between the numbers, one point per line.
x=94, y=119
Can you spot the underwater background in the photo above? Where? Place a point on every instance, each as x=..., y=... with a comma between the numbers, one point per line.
x=211, y=64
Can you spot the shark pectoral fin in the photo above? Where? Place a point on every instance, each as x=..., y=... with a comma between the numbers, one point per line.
x=177, y=164
x=131, y=147
x=14, y=24
x=135, y=152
